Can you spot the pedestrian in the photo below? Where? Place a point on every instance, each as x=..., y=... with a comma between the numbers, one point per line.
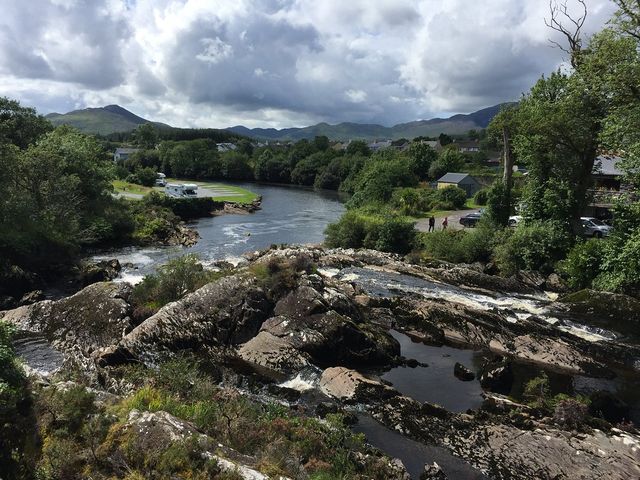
x=445, y=223
x=432, y=223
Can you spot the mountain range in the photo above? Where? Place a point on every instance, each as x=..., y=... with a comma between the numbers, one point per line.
x=113, y=118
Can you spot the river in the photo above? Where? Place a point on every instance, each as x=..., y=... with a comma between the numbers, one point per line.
x=289, y=215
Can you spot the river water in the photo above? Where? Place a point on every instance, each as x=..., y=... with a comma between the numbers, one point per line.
x=289, y=215
x=299, y=216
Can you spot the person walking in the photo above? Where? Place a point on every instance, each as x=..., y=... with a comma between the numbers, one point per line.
x=445, y=223
x=432, y=223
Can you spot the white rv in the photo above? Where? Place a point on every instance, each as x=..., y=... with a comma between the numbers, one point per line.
x=185, y=190
x=161, y=180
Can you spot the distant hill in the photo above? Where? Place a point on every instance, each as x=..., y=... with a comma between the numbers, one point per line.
x=103, y=120
x=457, y=124
x=115, y=119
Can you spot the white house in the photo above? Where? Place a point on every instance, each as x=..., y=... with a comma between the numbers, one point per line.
x=121, y=154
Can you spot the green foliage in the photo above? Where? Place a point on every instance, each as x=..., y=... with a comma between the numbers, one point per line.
x=197, y=159
x=172, y=281
x=499, y=204
x=422, y=156
x=235, y=166
x=453, y=195
x=185, y=208
x=450, y=160
x=583, y=262
x=146, y=176
x=533, y=246
x=457, y=246
x=414, y=201
x=307, y=169
x=15, y=404
x=357, y=229
x=272, y=167
x=358, y=148
x=20, y=126
x=481, y=197
x=383, y=173
x=146, y=135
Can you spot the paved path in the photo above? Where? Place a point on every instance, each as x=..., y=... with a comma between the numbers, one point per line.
x=422, y=225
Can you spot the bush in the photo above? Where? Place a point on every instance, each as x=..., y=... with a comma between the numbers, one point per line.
x=395, y=234
x=481, y=197
x=185, y=208
x=146, y=176
x=348, y=232
x=460, y=246
x=583, y=263
x=535, y=246
x=453, y=195
x=172, y=281
x=414, y=201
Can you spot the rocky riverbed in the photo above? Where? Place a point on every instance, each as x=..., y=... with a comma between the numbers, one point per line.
x=324, y=334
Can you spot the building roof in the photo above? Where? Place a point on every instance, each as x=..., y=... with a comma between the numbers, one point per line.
x=608, y=165
x=126, y=150
x=456, y=178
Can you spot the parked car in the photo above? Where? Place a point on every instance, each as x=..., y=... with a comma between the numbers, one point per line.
x=514, y=220
x=471, y=219
x=592, y=227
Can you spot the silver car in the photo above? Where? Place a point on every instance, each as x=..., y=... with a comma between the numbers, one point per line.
x=592, y=227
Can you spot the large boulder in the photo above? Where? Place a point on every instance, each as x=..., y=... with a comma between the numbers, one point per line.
x=272, y=355
x=349, y=385
x=229, y=311
x=95, y=317
x=496, y=375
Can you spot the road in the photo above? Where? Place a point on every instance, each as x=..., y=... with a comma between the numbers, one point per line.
x=422, y=225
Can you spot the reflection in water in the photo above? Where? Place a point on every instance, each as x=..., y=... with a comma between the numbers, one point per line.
x=436, y=383
x=414, y=455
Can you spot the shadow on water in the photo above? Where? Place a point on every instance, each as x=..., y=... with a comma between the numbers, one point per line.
x=36, y=352
x=414, y=455
x=436, y=382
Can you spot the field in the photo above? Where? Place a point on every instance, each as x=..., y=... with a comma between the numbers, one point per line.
x=218, y=191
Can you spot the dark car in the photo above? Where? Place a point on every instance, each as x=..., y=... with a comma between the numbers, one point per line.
x=471, y=219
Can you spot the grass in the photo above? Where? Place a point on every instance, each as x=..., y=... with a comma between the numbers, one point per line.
x=241, y=195
x=121, y=186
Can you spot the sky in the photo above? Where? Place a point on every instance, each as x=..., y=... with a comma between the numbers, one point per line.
x=277, y=63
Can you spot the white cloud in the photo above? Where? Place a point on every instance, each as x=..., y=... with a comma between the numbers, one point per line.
x=276, y=62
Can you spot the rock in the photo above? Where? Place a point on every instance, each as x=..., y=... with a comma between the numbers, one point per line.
x=93, y=318
x=613, y=311
x=276, y=355
x=609, y=407
x=496, y=376
x=7, y=302
x=554, y=283
x=533, y=279
x=349, y=385
x=103, y=271
x=31, y=297
x=433, y=472
x=463, y=373
x=182, y=235
x=472, y=278
x=229, y=311
x=325, y=408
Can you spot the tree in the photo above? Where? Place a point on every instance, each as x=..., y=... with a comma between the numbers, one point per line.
x=422, y=156
x=449, y=160
x=146, y=135
x=444, y=139
x=321, y=143
x=358, y=147
x=20, y=126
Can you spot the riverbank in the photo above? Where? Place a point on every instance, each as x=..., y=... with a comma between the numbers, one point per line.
x=320, y=331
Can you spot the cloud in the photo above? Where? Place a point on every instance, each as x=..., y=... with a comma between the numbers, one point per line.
x=276, y=62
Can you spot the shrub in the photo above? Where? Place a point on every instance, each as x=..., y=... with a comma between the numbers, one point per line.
x=453, y=195
x=413, y=201
x=583, y=263
x=348, y=232
x=458, y=246
x=185, y=208
x=532, y=246
x=395, y=234
x=481, y=197
x=172, y=281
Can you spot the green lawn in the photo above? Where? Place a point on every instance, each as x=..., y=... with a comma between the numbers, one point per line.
x=121, y=186
x=235, y=194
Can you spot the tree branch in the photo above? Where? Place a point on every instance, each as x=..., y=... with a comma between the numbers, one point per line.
x=573, y=33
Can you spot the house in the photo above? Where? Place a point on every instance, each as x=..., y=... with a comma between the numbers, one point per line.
x=435, y=144
x=471, y=146
x=608, y=186
x=122, y=154
x=226, y=147
x=461, y=180
x=379, y=145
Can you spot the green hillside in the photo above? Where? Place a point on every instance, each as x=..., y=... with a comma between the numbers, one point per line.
x=103, y=121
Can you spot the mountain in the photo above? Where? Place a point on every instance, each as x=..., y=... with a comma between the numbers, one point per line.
x=103, y=120
x=456, y=124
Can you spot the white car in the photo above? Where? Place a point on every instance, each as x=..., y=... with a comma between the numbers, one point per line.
x=514, y=220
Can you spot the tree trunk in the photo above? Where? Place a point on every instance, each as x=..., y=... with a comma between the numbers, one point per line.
x=507, y=176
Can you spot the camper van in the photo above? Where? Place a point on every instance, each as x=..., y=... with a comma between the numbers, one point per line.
x=161, y=180
x=186, y=190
